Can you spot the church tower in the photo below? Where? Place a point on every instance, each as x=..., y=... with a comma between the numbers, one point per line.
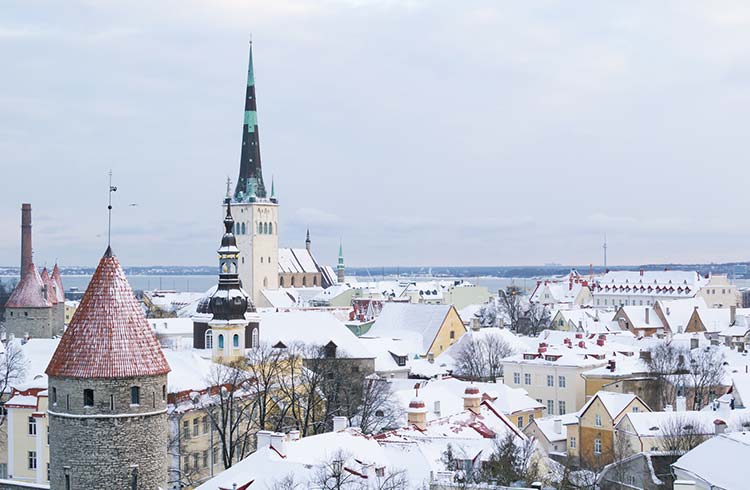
x=231, y=329
x=340, y=269
x=108, y=392
x=256, y=214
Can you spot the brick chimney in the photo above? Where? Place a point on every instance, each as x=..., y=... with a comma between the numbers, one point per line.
x=472, y=399
x=26, y=250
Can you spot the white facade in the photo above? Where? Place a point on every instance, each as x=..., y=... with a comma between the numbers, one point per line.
x=644, y=288
x=257, y=234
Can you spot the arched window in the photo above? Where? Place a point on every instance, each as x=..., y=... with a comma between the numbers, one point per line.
x=315, y=280
x=304, y=281
x=261, y=260
x=293, y=281
x=236, y=341
x=135, y=395
x=88, y=397
x=260, y=228
x=265, y=228
x=221, y=341
x=243, y=229
x=209, y=339
x=265, y=282
x=270, y=228
x=255, y=340
x=281, y=281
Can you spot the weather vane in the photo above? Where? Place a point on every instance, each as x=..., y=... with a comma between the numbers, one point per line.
x=112, y=189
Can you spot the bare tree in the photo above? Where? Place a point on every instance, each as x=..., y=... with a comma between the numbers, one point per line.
x=333, y=474
x=536, y=318
x=230, y=406
x=378, y=409
x=706, y=373
x=264, y=365
x=479, y=357
x=12, y=370
x=511, y=304
x=680, y=434
x=665, y=362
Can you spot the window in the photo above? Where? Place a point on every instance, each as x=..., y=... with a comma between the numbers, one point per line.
x=205, y=458
x=54, y=396
x=550, y=407
x=636, y=409
x=598, y=420
x=304, y=281
x=453, y=334
x=134, y=479
x=572, y=443
x=214, y=455
x=261, y=260
x=163, y=392
x=32, y=426
x=47, y=471
x=527, y=378
x=186, y=429
x=195, y=460
x=597, y=446
x=519, y=422
x=255, y=341
x=380, y=472
x=270, y=228
x=260, y=228
x=236, y=341
x=561, y=381
x=205, y=424
x=111, y=402
x=517, y=378
x=32, y=460
x=187, y=464
x=265, y=228
x=221, y=341
x=196, y=427
x=243, y=229
x=550, y=380
x=135, y=395
x=561, y=407
x=67, y=401
x=88, y=398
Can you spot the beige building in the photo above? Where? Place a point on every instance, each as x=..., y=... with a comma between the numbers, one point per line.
x=27, y=443
x=552, y=378
x=258, y=241
x=719, y=292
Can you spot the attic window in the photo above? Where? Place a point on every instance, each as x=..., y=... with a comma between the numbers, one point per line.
x=330, y=350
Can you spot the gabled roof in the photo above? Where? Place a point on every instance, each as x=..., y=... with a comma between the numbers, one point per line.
x=296, y=260
x=29, y=293
x=57, y=279
x=419, y=321
x=720, y=461
x=108, y=336
x=614, y=403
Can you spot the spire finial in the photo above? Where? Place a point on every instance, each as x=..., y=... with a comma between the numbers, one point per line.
x=229, y=187
x=112, y=189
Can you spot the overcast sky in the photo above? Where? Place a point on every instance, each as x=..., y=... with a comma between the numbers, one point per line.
x=420, y=132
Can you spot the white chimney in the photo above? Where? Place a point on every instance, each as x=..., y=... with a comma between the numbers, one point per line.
x=668, y=408
x=430, y=357
x=340, y=423
x=719, y=426
x=681, y=404
x=278, y=442
x=725, y=410
x=558, y=426
x=294, y=435
x=264, y=439
x=475, y=326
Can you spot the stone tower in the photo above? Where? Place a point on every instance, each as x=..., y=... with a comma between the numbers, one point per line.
x=29, y=311
x=108, y=393
x=256, y=214
x=340, y=269
x=229, y=306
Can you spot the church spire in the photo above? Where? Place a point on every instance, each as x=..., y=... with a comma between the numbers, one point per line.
x=340, y=267
x=250, y=184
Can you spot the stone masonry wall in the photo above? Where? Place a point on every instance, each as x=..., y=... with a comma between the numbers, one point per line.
x=36, y=322
x=100, y=448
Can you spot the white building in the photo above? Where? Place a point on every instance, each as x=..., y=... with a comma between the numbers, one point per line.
x=627, y=288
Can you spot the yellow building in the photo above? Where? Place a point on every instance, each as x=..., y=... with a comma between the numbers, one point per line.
x=592, y=437
x=70, y=309
x=26, y=426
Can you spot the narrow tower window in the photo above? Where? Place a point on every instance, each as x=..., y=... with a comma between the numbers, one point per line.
x=236, y=341
x=88, y=397
x=221, y=341
x=209, y=339
x=163, y=392
x=270, y=228
x=135, y=395
x=111, y=402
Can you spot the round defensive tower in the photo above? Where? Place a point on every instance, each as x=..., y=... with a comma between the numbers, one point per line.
x=107, y=393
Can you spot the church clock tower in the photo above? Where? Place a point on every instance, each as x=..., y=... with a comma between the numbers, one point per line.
x=256, y=212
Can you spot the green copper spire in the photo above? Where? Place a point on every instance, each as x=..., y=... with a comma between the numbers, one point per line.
x=340, y=267
x=250, y=184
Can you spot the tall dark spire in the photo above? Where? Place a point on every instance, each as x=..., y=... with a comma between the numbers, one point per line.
x=250, y=182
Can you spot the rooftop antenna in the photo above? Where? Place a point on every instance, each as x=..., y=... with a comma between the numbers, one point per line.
x=604, y=247
x=112, y=189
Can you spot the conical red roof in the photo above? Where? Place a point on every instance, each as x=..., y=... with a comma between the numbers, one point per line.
x=108, y=336
x=51, y=294
x=57, y=281
x=29, y=292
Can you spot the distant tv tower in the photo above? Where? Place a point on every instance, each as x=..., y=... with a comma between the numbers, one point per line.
x=604, y=247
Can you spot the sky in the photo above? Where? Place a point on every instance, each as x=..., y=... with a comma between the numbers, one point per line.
x=417, y=132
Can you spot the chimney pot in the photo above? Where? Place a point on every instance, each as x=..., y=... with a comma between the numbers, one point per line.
x=278, y=442
x=340, y=423
x=558, y=426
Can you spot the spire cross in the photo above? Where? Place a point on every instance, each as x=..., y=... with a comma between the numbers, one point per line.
x=229, y=186
x=112, y=189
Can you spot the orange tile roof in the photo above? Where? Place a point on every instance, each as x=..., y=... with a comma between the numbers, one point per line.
x=108, y=336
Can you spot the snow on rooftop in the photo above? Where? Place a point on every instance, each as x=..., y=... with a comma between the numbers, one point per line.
x=405, y=320
x=614, y=403
x=654, y=424
x=720, y=461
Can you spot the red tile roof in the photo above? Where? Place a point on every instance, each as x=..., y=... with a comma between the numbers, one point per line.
x=57, y=280
x=51, y=294
x=29, y=291
x=108, y=336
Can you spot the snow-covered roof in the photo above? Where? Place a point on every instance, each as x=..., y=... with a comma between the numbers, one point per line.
x=296, y=260
x=547, y=426
x=171, y=300
x=420, y=322
x=614, y=403
x=677, y=312
x=720, y=461
x=642, y=317
x=682, y=283
x=171, y=326
x=655, y=424
x=310, y=327
x=189, y=371
x=565, y=291
x=278, y=298
x=715, y=319
x=623, y=366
